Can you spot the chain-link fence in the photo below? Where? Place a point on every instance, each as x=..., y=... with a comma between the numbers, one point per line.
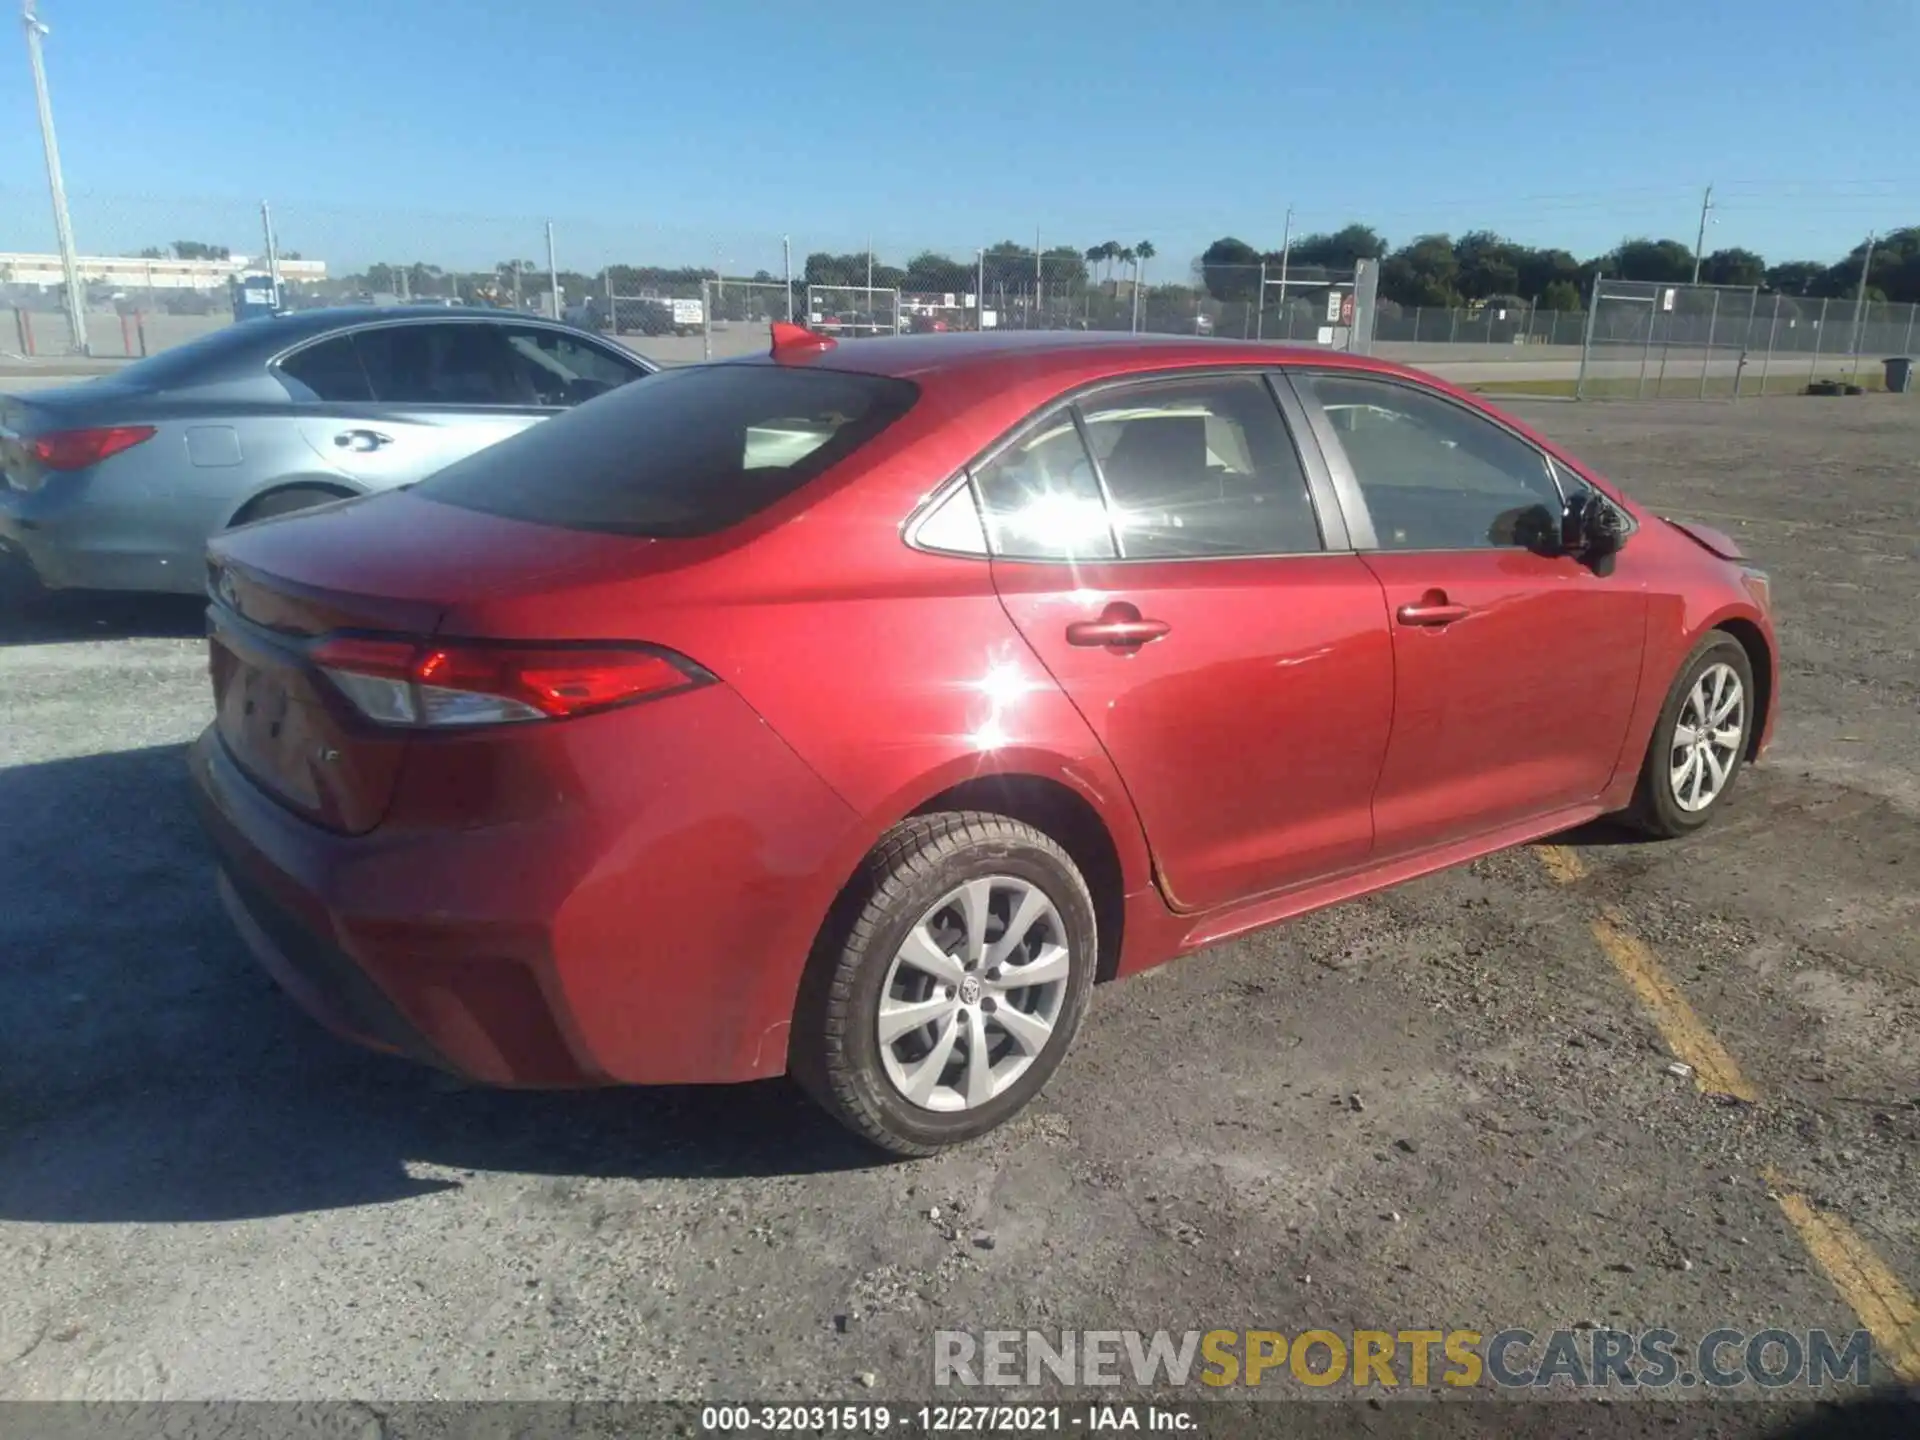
x=145, y=291
x=1647, y=340
x=852, y=311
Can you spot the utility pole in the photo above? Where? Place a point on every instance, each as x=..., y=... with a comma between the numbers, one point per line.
x=62, y=225
x=1700, y=241
x=1286, y=254
x=553, y=272
x=1038, y=279
x=980, y=290
x=786, y=250
x=1860, y=304
x=273, y=252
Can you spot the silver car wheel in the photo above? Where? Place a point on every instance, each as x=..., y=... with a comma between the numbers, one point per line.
x=1707, y=738
x=973, y=994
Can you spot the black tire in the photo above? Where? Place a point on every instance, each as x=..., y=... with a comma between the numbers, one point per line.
x=286, y=502
x=1656, y=810
x=20, y=588
x=836, y=1052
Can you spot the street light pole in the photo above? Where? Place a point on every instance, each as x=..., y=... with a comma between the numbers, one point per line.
x=62, y=226
x=786, y=252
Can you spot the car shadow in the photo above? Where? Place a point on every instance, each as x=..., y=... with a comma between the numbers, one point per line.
x=65, y=617
x=150, y=1072
x=1603, y=831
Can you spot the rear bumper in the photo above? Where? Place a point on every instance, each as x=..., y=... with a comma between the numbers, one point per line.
x=653, y=935
x=71, y=542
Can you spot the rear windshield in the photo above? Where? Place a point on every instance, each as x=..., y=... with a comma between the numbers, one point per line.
x=194, y=361
x=681, y=453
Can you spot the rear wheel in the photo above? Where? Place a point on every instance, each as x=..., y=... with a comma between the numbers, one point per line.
x=951, y=985
x=285, y=502
x=20, y=588
x=1699, y=742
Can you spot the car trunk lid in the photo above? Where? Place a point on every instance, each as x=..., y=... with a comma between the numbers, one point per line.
x=384, y=566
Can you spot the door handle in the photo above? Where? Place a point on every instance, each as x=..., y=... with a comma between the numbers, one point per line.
x=1432, y=610
x=1120, y=627
x=361, y=440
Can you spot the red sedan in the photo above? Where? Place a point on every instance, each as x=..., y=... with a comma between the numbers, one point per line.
x=848, y=710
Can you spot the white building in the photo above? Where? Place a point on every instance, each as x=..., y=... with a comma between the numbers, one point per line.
x=124, y=272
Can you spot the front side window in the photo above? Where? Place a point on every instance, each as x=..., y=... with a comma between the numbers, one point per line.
x=1201, y=467
x=1040, y=498
x=440, y=364
x=691, y=452
x=1434, y=475
x=559, y=369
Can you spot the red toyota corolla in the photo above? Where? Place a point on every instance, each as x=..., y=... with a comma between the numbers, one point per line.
x=849, y=710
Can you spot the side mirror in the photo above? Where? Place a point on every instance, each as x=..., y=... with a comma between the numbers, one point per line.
x=1590, y=528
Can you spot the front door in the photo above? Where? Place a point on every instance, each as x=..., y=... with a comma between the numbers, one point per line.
x=1238, y=672
x=1515, y=668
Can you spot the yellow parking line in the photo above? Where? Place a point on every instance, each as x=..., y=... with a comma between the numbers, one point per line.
x=1871, y=1290
x=1885, y=1306
x=1714, y=1070
x=1564, y=865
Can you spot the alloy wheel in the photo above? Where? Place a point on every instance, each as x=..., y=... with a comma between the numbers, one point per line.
x=973, y=994
x=1707, y=738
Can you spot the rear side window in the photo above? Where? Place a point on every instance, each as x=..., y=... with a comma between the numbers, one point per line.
x=1201, y=467
x=330, y=371
x=690, y=452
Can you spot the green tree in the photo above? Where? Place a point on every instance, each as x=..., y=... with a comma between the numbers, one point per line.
x=1488, y=265
x=932, y=272
x=1541, y=269
x=1795, y=277
x=1560, y=295
x=1661, y=262
x=200, y=250
x=1341, y=249
x=1424, y=272
x=1733, y=267
x=1230, y=269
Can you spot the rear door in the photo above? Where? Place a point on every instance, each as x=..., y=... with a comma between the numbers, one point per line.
x=1515, y=667
x=1162, y=548
x=393, y=403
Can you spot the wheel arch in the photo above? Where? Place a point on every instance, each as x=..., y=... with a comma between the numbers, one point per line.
x=1760, y=657
x=332, y=484
x=1063, y=813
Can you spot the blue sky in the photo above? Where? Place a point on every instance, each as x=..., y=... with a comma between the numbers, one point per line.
x=701, y=132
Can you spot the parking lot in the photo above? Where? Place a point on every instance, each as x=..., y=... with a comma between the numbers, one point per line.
x=1453, y=1105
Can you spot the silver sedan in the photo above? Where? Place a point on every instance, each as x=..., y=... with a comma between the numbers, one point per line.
x=117, y=483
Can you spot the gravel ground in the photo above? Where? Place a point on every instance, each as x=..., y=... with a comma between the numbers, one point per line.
x=1440, y=1107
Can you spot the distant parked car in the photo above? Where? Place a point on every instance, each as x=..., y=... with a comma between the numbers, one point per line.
x=117, y=483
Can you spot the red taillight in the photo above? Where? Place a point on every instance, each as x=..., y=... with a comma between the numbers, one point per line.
x=77, y=449
x=399, y=682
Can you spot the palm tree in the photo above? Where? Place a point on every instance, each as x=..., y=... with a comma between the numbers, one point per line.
x=1142, y=253
x=1110, y=252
